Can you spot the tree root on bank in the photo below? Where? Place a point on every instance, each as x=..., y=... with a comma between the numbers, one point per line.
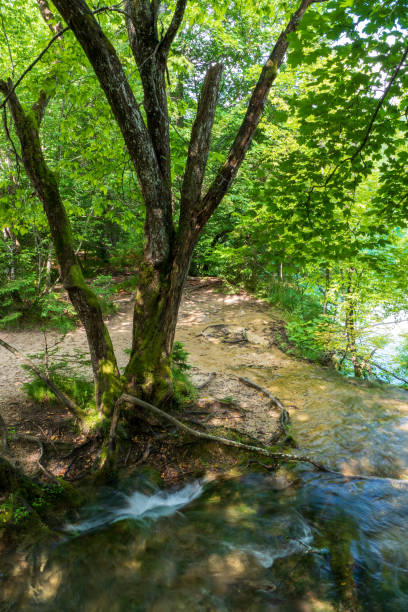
x=65, y=400
x=284, y=414
x=130, y=399
x=207, y=381
x=40, y=444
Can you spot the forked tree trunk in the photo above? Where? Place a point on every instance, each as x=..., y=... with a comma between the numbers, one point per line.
x=168, y=247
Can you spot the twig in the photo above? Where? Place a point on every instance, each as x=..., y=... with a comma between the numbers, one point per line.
x=66, y=401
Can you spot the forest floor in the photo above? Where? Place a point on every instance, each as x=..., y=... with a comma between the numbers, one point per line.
x=233, y=335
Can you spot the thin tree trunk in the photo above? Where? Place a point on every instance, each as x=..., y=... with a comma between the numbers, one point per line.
x=326, y=291
x=351, y=329
x=105, y=370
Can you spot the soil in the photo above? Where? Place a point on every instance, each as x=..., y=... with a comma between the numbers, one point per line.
x=232, y=335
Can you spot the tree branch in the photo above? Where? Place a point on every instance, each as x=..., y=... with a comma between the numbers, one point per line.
x=111, y=76
x=200, y=143
x=174, y=26
x=228, y=171
x=144, y=42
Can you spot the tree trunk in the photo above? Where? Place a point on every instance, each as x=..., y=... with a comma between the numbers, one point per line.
x=351, y=331
x=158, y=298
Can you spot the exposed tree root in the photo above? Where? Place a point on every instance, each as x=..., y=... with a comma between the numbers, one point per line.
x=207, y=381
x=126, y=398
x=284, y=414
x=65, y=401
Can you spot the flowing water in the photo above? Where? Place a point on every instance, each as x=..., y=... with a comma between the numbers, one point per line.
x=295, y=540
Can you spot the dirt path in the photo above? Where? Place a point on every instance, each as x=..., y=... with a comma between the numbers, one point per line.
x=232, y=335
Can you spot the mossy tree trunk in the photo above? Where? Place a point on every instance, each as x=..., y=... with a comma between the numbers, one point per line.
x=44, y=181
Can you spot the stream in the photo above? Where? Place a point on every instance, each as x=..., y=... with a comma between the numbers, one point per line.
x=293, y=540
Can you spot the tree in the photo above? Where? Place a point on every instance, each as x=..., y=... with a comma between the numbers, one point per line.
x=171, y=233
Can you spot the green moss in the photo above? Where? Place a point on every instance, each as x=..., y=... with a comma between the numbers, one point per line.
x=76, y=279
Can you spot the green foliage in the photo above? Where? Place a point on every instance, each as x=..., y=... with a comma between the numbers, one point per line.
x=304, y=334
x=179, y=357
x=14, y=512
x=25, y=298
x=292, y=300
x=77, y=387
x=184, y=390
x=102, y=285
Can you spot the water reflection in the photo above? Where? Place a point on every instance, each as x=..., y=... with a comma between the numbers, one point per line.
x=325, y=543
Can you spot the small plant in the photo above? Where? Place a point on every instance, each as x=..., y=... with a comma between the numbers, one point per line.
x=180, y=356
x=227, y=400
x=184, y=390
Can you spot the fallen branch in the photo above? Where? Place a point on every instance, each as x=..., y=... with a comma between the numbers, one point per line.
x=227, y=442
x=66, y=401
x=207, y=381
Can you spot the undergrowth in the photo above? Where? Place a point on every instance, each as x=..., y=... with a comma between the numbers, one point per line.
x=184, y=390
